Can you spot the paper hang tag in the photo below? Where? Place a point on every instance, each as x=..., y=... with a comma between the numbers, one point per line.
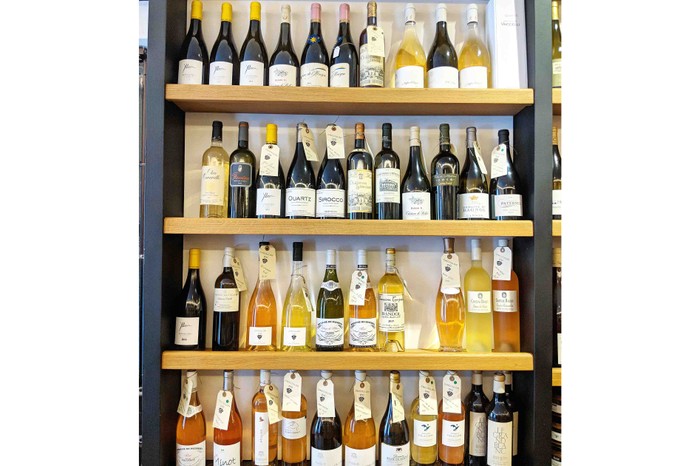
x=499, y=166
x=427, y=396
x=397, y=410
x=291, y=392
x=363, y=407
x=451, y=394
x=358, y=287
x=335, y=143
x=375, y=41
x=479, y=158
x=325, y=398
x=450, y=274
x=405, y=284
x=309, y=304
x=307, y=139
x=185, y=398
x=272, y=396
x=269, y=160
x=222, y=412
x=502, y=263
x=238, y=275
x=267, y=262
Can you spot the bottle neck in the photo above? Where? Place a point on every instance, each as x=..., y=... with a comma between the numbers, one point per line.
x=195, y=27
x=242, y=143
x=285, y=40
x=359, y=142
x=344, y=32
x=473, y=29
x=331, y=273
x=254, y=28
x=415, y=160
x=445, y=146
x=315, y=28
x=216, y=142
x=390, y=264
x=371, y=21
x=297, y=267
x=386, y=139
x=441, y=29
x=225, y=29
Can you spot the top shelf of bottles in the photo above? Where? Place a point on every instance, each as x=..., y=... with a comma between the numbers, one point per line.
x=347, y=101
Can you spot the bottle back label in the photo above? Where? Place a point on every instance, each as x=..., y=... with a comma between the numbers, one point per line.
x=261, y=439
x=294, y=336
x=510, y=205
x=361, y=457
x=226, y=300
x=387, y=185
x=505, y=301
x=395, y=455
x=269, y=201
x=340, y=75
x=473, y=206
x=213, y=185
x=359, y=191
x=227, y=455
x=330, y=203
x=189, y=71
x=556, y=202
x=221, y=73
x=391, y=313
x=283, y=75
x=313, y=75
x=415, y=206
x=333, y=457
x=191, y=455
x=241, y=175
x=186, y=331
x=363, y=332
x=252, y=73
x=293, y=429
x=301, y=202
x=477, y=434
x=424, y=433
x=452, y=433
x=260, y=336
x=499, y=446
x=330, y=332
x=473, y=77
x=443, y=77
x=371, y=68
x=479, y=301
x=410, y=77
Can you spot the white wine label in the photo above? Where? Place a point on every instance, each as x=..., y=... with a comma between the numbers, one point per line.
x=479, y=301
x=330, y=203
x=375, y=41
x=363, y=407
x=238, y=275
x=186, y=331
x=473, y=206
x=499, y=161
x=226, y=299
x=325, y=398
x=556, y=408
x=314, y=75
x=473, y=77
x=269, y=160
x=364, y=457
x=363, y=332
x=213, y=185
x=499, y=443
x=252, y=73
x=330, y=285
x=391, y=313
x=505, y=301
x=260, y=336
x=395, y=455
x=221, y=73
x=451, y=394
x=502, y=263
x=508, y=205
x=477, y=434
x=515, y=433
x=191, y=455
x=450, y=283
x=410, y=77
x=189, y=71
x=335, y=142
x=222, y=412
x=291, y=392
x=283, y=75
x=371, y=68
x=330, y=332
x=294, y=336
x=359, y=191
x=241, y=175
x=340, y=75
x=387, y=187
x=452, y=433
x=332, y=457
x=186, y=394
x=267, y=262
x=415, y=206
x=261, y=436
x=427, y=396
x=479, y=158
x=272, y=396
x=397, y=411
x=556, y=201
x=293, y=429
x=227, y=455
x=269, y=201
x=307, y=139
x=424, y=433
x=443, y=77
x=556, y=72
x=358, y=288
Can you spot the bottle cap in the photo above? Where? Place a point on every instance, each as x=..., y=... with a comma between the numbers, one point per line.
x=228, y=251
x=263, y=243
x=499, y=383
x=330, y=256
x=372, y=9
x=196, y=10
x=509, y=377
x=503, y=136
x=264, y=377
x=390, y=251
x=414, y=136
x=395, y=376
x=226, y=12
x=243, y=131
x=477, y=378
x=271, y=132
x=410, y=13
x=359, y=130
x=361, y=257
x=194, y=258
x=556, y=257
x=255, y=11
x=316, y=12
x=360, y=375
x=502, y=242
x=297, y=251
x=472, y=13
x=344, y=12
x=441, y=12
x=326, y=374
x=448, y=245
x=444, y=133
x=286, y=13
x=423, y=373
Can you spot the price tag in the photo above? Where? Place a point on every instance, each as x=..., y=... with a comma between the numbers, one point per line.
x=325, y=399
x=307, y=139
x=498, y=161
x=358, y=287
x=222, y=413
x=238, y=275
x=272, y=396
x=502, y=263
x=375, y=41
x=335, y=144
x=267, y=262
x=309, y=305
x=269, y=160
x=451, y=394
x=397, y=402
x=450, y=274
x=291, y=393
x=185, y=398
x=363, y=407
x=479, y=158
x=427, y=393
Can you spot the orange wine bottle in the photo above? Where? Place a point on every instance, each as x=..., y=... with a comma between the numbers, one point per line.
x=264, y=431
x=228, y=428
x=262, y=307
x=191, y=430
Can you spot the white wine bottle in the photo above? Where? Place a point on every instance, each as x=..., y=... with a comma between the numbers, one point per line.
x=213, y=194
x=410, y=63
x=477, y=294
x=474, y=59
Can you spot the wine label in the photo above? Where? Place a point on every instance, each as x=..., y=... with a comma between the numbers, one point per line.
x=301, y=202
x=359, y=191
x=283, y=75
x=307, y=139
x=314, y=75
x=363, y=332
x=375, y=41
x=556, y=408
x=515, y=433
x=452, y=433
x=391, y=313
x=473, y=77
x=415, y=206
x=330, y=332
x=238, y=275
x=186, y=394
x=445, y=179
x=330, y=203
x=556, y=72
x=330, y=285
x=410, y=77
x=186, y=331
x=443, y=77
x=397, y=411
x=387, y=185
x=252, y=73
x=508, y=205
x=293, y=429
x=502, y=263
x=227, y=455
x=505, y=301
x=556, y=201
x=272, y=396
x=340, y=75
x=291, y=392
x=427, y=397
x=213, y=185
x=358, y=289
x=363, y=407
x=333, y=457
x=189, y=71
x=473, y=206
x=191, y=455
x=294, y=336
x=371, y=68
x=360, y=457
x=261, y=439
x=499, y=443
x=226, y=299
x=479, y=301
x=395, y=455
x=424, y=433
x=222, y=412
x=335, y=142
x=450, y=283
x=477, y=434
x=260, y=336
x=499, y=161
x=269, y=201
x=325, y=398
x=221, y=73
x=269, y=160
x=452, y=394
x=267, y=263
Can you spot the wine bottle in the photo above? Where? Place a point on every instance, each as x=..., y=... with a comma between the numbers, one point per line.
x=451, y=421
x=556, y=292
x=314, y=58
x=330, y=309
x=474, y=58
x=505, y=191
x=395, y=449
x=442, y=57
x=444, y=184
x=344, y=62
x=359, y=434
x=330, y=188
x=297, y=332
x=362, y=321
x=262, y=309
x=512, y=404
x=415, y=186
x=410, y=62
x=224, y=64
x=506, y=307
x=229, y=432
x=242, y=170
x=499, y=440
x=477, y=294
x=284, y=64
x=191, y=311
x=476, y=404
x=387, y=175
x=473, y=197
x=556, y=176
x=391, y=311
x=193, y=64
x=424, y=449
x=191, y=430
x=227, y=303
x=253, y=58
x=372, y=50
x=326, y=429
x=293, y=430
x=360, y=178
x=264, y=434
x=556, y=45
x=301, y=183
x=269, y=187
x=449, y=303
x=213, y=194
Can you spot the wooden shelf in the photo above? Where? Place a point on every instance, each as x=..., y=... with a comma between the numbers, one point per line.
x=409, y=360
x=556, y=101
x=341, y=227
x=556, y=227
x=347, y=101
x=556, y=377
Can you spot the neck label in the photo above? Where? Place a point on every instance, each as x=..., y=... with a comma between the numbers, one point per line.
x=267, y=262
x=222, y=413
x=363, y=407
x=427, y=396
x=238, y=275
x=272, y=396
x=451, y=394
x=325, y=398
x=397, y=411
x=358, y=287
x=375, y=41
x=499, y=162
x=291, y=394
x=450, y=274
x=335, y=142
x=307, y=139
x=269, y=160
x=502, y=263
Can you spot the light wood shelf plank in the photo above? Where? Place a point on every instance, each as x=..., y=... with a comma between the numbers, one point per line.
x=556, y=227
x=556, y=101
x=556, y=377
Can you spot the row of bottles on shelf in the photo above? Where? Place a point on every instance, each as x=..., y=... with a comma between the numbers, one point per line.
x=474, y=431
x=483, y=317
x=345, y=66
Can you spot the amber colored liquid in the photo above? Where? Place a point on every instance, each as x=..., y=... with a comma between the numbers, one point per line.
x=191, y=430
x=262, y=312
x=359, y=435
x=449, y=455
x=260, y=406
x=234, y=431
x=368, y=310
x=294, y=450
x=450, y=315
x=506, y=325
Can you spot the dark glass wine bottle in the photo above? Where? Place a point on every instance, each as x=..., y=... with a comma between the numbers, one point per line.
x=300, y=194
x=442, y=57
x=394, y=436
x=344, y=61
x=253, y=57
x=359, y=178
x=514, y=408
x=499, y=426
x=415, y=186
x=241, y=191
x=444, y=172
x=556, y=176
x=476, y=403
x=227, y=303
x=505, y=192
x=224, y=64
x=284, y=64
x=191, y=310
x=330, y=188
x=473, y=198
x=372, y=54
x=387, y=179
x=269, y=188
x=193, y=63
x=326, y=434
x=556, y=305
x=330, y=309
x=314, y=58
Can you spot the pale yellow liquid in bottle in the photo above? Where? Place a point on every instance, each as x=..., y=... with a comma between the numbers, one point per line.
x=474, y=52
x=390, y=289
x=410, y=51
x=421, y=455
x=477, y=296
x=217, y=158
x=296, y=313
